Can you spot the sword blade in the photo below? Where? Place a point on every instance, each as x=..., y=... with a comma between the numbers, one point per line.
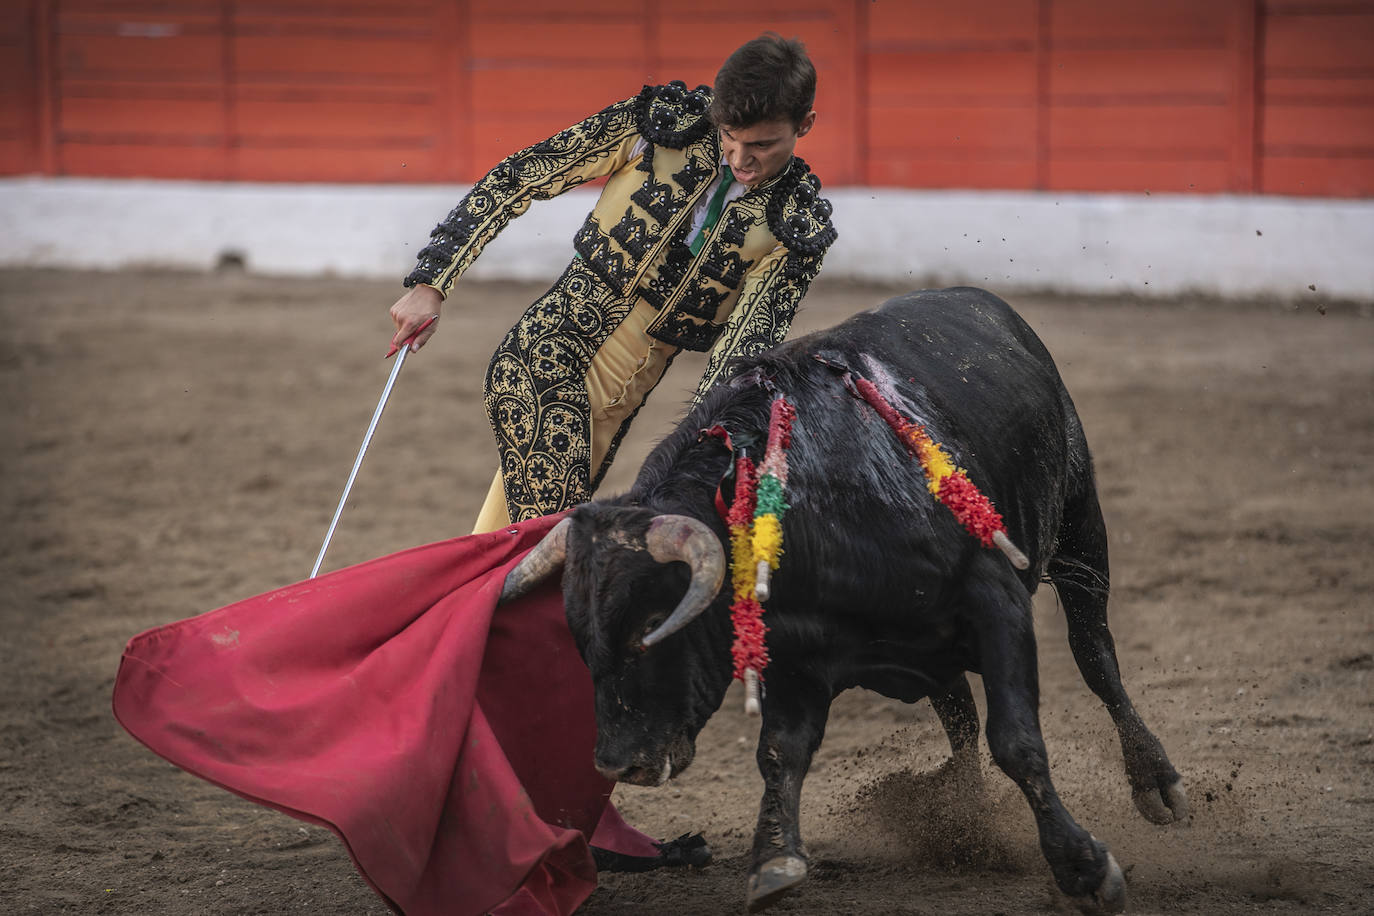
x=401, y=354
x=358, y=462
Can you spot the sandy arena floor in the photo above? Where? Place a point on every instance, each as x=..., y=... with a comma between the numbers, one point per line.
x=173, y=442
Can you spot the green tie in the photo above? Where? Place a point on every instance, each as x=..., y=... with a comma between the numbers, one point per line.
x=713, y=209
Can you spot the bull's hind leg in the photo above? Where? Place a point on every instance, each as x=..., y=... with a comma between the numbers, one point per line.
x=1000, y=609
x=1080, y=576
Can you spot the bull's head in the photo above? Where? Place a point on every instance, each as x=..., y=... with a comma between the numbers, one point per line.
x=632, y=583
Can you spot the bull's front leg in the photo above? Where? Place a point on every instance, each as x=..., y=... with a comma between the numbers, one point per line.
x=794, y=714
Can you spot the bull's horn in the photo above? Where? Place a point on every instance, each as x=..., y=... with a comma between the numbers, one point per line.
x=680, y=537
x=543, y=560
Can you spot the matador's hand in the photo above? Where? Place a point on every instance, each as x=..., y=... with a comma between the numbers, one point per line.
x=418, y=305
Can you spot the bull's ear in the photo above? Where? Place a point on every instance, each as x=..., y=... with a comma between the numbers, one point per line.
x=543, y=560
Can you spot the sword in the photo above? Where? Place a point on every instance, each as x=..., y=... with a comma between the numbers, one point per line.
x=367, y=438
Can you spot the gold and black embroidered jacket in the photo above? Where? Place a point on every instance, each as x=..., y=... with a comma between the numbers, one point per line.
x=736, y=297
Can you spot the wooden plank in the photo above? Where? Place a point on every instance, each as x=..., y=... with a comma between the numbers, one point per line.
x=951, y=78
x=1321, y=176
x=452, y=160
x=621, y=42
x=16, y=114
x=1325, y=43
x=137, y=16
x=45, y=87
x=782, y=12
x=711, y=40
x=16, y=155
x=356, y=163
x=18, y=94
x=142, y=160
x=1162, y=175
x=1298, y=90
x=343, y=120
x=583, y=10
x=934, y=24
x=964, y=129
x=1280, y=7
x=1317, y=127
x=411, y=19
x=895, y=170
x=840, y=92
x=111, y=113
x=334, y=59
x=525, y=91
x=1179, y=73
x=1130, y=23
x=1244, y=83
x=1112, y=130
x=183, y=57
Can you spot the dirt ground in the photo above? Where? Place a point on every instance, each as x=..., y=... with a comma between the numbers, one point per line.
x=173, y=442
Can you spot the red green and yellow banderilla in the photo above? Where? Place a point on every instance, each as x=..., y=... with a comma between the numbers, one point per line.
x=755, y=521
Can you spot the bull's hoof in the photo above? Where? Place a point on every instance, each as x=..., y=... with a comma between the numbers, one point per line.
x=1163, y=807
x=774, y=878
x=1110, y=896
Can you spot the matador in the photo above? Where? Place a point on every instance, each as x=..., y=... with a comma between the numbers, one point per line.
x=705, y=237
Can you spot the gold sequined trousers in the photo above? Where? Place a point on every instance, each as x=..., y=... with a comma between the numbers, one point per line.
x=561, y=391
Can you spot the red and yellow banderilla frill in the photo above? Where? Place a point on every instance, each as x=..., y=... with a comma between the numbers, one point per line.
x=946, y=482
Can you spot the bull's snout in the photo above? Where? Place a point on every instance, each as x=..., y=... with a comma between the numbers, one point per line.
x=637, y=775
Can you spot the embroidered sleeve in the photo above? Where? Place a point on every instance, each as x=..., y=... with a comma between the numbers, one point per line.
x=763, y=315
x=595, y=147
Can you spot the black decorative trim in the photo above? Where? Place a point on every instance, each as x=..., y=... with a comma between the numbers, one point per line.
x=632, y=233
x=672, y=270
x=656, y=198
x=681, y=330
x=797, y=215
x=695, y=172
x=445, y=241
x=673, y=116
x=600, y=255
x=736, y=227
x=725, y=267
x=704, y=302
x=799, y=267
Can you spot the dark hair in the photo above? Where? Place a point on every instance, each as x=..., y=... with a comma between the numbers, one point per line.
x=764, y=80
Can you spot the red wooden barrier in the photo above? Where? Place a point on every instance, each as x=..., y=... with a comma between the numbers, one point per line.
x=1273, y=96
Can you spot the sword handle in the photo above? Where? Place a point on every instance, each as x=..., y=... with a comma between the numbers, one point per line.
x=391, y=351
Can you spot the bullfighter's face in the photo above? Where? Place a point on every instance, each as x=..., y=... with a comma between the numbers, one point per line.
x=757, y=153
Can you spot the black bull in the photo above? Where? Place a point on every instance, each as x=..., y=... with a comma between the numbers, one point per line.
x=879, y=587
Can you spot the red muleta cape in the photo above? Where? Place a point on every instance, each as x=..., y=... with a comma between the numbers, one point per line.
x=446, y=741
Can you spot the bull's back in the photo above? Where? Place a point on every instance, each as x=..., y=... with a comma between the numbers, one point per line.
x=963, y=358
x=962, y=363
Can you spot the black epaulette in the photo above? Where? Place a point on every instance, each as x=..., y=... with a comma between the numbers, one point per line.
x=797, y=214
x=672, y=115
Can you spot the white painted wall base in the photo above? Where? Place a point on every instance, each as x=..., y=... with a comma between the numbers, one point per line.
x=1147, y=245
